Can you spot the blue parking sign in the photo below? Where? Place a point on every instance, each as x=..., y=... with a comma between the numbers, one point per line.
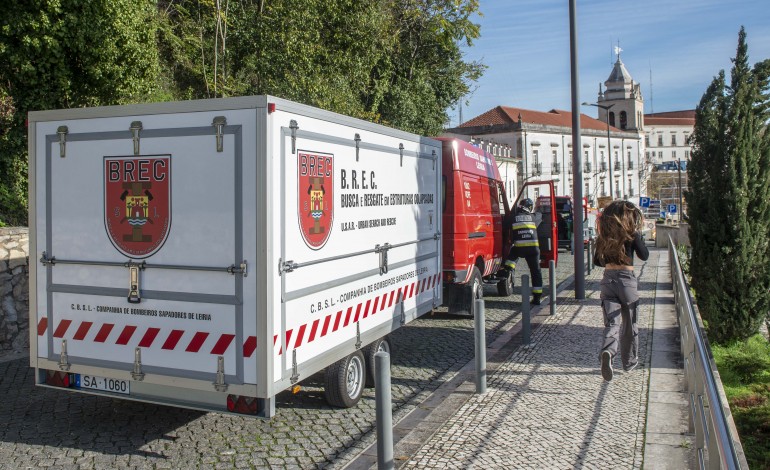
x=672, y=208
x=644, y=202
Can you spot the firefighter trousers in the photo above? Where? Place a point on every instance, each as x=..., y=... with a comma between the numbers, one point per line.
x=533, y=261
x=620, y=297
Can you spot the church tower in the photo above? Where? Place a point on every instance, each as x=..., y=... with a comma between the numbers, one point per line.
x=625, y=97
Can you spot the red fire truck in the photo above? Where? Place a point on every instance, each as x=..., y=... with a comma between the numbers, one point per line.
x=476, y=227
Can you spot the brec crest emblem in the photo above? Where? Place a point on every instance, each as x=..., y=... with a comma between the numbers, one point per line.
x=137, y=203
x=315, y=183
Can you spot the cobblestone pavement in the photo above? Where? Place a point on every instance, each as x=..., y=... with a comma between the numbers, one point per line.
x=547, y=406
x=50, y=428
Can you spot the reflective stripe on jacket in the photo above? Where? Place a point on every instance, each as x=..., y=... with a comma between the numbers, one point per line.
x=524, y=230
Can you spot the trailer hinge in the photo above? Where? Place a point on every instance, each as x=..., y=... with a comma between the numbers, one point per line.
x=135, y=128
x=64, y=362
x=437, y=236
x=293, y=126
x=358, y=141
x=219, y=124
x=45, y=260
x=294, y=369
x=383, y=251
x=137, y=373
x=358, y=336
x=286, y=266
x=219, y=383
x=434, y=159
x=401, y=151
x=62, y=131
x=133, y=281
x=242, y=269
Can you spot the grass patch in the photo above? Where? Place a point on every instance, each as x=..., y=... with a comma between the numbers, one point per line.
x=744, y=367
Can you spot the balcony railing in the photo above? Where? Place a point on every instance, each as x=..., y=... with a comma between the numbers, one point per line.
x=556, y=168
x=587, y=167
x=630, y=192
x=616, y=166
x=537, y=169
x=603, y=166
x=630, y=165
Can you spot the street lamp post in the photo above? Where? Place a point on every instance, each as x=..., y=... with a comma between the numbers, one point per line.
x=609, y=145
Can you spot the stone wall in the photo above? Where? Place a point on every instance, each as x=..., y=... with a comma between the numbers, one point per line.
x=14, y=289
x=680, y=234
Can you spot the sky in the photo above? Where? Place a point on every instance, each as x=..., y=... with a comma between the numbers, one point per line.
x=673, y=48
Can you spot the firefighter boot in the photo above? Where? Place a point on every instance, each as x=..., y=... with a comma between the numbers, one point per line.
x=536, y=298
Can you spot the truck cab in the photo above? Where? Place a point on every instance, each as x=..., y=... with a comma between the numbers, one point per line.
x=476, y=225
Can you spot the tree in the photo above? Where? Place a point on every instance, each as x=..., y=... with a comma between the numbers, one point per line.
x=729, y=200
x=69, y=53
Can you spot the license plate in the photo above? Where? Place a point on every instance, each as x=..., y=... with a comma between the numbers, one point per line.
x=104, y=384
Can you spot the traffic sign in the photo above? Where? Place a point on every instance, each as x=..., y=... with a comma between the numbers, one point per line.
x=672, y=208
x=644, y=202
x=662, y=214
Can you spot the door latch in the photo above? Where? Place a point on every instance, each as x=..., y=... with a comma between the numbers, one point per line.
x=383, y=251
x=133, y=285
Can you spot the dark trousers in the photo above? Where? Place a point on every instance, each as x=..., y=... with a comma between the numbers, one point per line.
x=533, y=261
x=620, y=298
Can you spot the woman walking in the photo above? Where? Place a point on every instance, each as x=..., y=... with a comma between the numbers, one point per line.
x=619, y=239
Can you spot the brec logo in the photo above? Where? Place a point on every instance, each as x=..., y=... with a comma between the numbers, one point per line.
x=315, y=181
x=137, y=203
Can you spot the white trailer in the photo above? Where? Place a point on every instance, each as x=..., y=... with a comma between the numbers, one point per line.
x=210, y=254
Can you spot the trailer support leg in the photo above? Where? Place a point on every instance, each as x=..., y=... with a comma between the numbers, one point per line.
x=266, y=407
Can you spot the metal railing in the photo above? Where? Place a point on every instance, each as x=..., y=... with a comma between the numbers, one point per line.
x=716, y=440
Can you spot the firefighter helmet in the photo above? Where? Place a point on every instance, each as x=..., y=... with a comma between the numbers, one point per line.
x=527, y=204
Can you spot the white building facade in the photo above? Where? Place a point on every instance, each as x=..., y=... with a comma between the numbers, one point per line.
x=667, y=136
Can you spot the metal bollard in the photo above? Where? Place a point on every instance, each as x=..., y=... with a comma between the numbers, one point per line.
x=525, y=314
x=552, y=280
x=384, y=412
x=589, y=259
x=481, y=348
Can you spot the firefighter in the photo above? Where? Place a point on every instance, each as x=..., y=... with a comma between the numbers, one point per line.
x=525, y=245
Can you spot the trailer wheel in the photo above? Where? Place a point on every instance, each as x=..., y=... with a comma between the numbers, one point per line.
x=505, y=286
x=344, y=381
x=382, y=344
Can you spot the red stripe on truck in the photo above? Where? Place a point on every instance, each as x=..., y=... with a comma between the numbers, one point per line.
x=197, y=342
x=313, y=330
x=42, y=325
x=149, y=337
x=172, y=339
x=366, y=310
x=126, y=334
x=222, y=344
x=249, y=346
x=62, y=329
x=300, y=336
x=104, y=332
x=326, y=325
x=83, y=330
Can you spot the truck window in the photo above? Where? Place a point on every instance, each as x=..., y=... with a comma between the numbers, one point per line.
x=494, y=196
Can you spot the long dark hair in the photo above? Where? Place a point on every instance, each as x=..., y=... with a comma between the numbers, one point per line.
x=617, y=225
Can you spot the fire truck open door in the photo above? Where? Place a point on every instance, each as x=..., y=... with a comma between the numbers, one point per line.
x=547, y=231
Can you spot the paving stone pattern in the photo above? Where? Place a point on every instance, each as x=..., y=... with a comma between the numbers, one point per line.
x=50, y=428
x=547, y=406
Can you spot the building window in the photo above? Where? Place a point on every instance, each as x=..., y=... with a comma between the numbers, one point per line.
x=686, y=154
x=639, y=120
x=673, y=154
x=660, y=155
x=623, y=120
x=586, y=190
x=555, y=155
x=612, y=119
x=647, y=141
x=673, y=139
x=660, y=140
x=604, y=193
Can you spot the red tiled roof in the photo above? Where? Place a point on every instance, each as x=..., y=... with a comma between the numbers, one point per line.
x=502, y=115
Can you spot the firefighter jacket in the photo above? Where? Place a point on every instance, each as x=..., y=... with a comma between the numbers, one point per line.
x=525, y=233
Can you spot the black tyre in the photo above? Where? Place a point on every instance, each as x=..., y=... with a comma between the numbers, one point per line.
x=344, y=381
x=505, y=286
x=382, y=344
x=474, y=291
